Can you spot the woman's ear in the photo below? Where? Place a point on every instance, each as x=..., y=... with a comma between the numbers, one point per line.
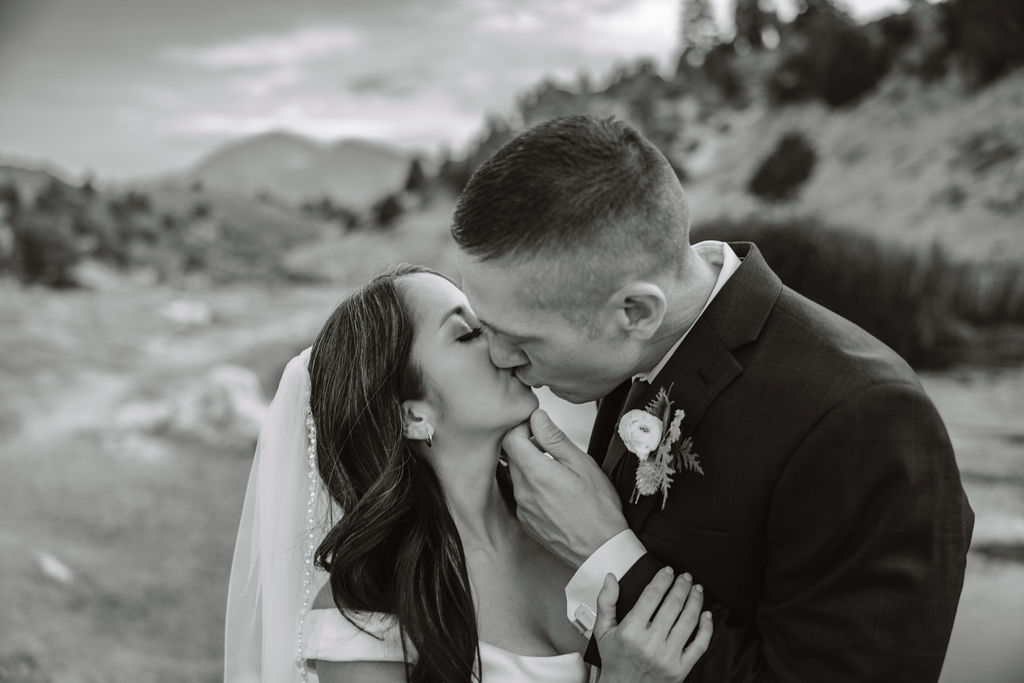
x=640, y=309
x=418, y=421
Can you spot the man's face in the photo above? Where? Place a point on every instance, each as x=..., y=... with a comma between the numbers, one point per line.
x=578, y=362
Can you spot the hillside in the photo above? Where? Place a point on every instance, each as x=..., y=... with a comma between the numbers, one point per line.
x=62, y=235
x=910, y=164
x=910, y=127
x=294, y=169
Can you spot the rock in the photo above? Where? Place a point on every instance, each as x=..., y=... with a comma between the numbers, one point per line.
x=143, y=416
x=137, y=446
x=101, y=277
x=54, y=569
x=186, y=313
x=224, y=408
x=97, y=276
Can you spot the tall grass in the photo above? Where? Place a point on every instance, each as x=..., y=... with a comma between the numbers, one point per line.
x=931, y=310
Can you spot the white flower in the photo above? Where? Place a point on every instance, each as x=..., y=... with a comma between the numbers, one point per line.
x=641, y=432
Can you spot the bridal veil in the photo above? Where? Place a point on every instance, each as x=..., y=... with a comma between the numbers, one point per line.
x=284, y=517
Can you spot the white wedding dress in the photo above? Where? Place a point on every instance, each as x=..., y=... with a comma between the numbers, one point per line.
x=329, y=636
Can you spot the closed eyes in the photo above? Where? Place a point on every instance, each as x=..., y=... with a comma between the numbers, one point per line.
x=470, y=336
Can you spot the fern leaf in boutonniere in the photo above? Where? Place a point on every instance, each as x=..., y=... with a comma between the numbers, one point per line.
x=688, y=458
x=660, y=406
x=657, y=446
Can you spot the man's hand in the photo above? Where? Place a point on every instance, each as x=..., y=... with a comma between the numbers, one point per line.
x=565, y=501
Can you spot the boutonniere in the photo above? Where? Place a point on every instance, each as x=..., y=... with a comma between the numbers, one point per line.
x=653, y=436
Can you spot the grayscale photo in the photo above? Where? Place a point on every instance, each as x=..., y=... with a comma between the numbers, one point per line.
x=501, y=341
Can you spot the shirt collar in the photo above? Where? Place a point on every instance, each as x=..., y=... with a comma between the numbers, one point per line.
x=715, y=253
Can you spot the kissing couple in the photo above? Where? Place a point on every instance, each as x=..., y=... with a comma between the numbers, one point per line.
x=767, y=495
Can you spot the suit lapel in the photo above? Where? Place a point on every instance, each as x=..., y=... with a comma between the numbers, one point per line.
x=697, y=373
x=704, y=365
x=603, y=432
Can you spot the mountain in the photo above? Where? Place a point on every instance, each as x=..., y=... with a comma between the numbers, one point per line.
x=294, y=168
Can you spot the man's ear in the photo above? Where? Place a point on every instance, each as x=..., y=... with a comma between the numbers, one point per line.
x=640, y=309
x=418, y=419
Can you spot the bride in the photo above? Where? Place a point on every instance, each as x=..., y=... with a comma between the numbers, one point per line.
x=379, y=540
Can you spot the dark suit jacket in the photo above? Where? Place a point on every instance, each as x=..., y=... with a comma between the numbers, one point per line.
x=830, y=528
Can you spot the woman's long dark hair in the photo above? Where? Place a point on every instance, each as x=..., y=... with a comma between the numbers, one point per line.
x=396, y=548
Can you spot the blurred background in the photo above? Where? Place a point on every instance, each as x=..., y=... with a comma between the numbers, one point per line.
x=187, y=189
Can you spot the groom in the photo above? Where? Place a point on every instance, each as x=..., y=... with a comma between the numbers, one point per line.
x=818, y=503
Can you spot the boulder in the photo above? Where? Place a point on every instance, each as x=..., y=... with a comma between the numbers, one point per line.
x=224, y=408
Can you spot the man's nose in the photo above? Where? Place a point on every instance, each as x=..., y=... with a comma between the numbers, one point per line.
x=504, y=355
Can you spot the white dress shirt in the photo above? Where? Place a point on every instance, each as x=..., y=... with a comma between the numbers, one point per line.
x=622, y=551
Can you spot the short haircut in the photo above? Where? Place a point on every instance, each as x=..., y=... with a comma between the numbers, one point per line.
x=577, y=186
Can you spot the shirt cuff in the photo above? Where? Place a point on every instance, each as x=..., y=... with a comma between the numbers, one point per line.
x=616, y=556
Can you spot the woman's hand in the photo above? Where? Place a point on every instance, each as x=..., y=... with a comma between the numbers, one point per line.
x=649, y=646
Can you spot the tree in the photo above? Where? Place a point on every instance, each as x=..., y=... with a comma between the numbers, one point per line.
x=828, y=56
x=54, y=199
x=88, y=187
x=454, y=174
x=986, y=36
x=387, y=210
x=416, y=181
x=44, y=249
x=10, y=198
x=751, y=20
x=699, y=32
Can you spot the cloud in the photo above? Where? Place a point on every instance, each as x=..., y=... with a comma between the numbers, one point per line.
x=512, y=20
x=291, y=117
x=267, y=82
x=405, y=132
x=292, y=48
x=397, y=83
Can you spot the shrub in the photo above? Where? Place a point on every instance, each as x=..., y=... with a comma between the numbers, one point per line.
x=387, y=210
x=785, y=169
x=10, y=199
x=200, y=210
x=325, y=209
x=721, y=73
x=987, y=36
x=898, y=30
x=930, y=310
x=927, y=56
x=45, y=250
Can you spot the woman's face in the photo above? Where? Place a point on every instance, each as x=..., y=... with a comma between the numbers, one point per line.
x=468, y=393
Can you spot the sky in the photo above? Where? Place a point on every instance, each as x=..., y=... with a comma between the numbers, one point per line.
x=134, y=88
